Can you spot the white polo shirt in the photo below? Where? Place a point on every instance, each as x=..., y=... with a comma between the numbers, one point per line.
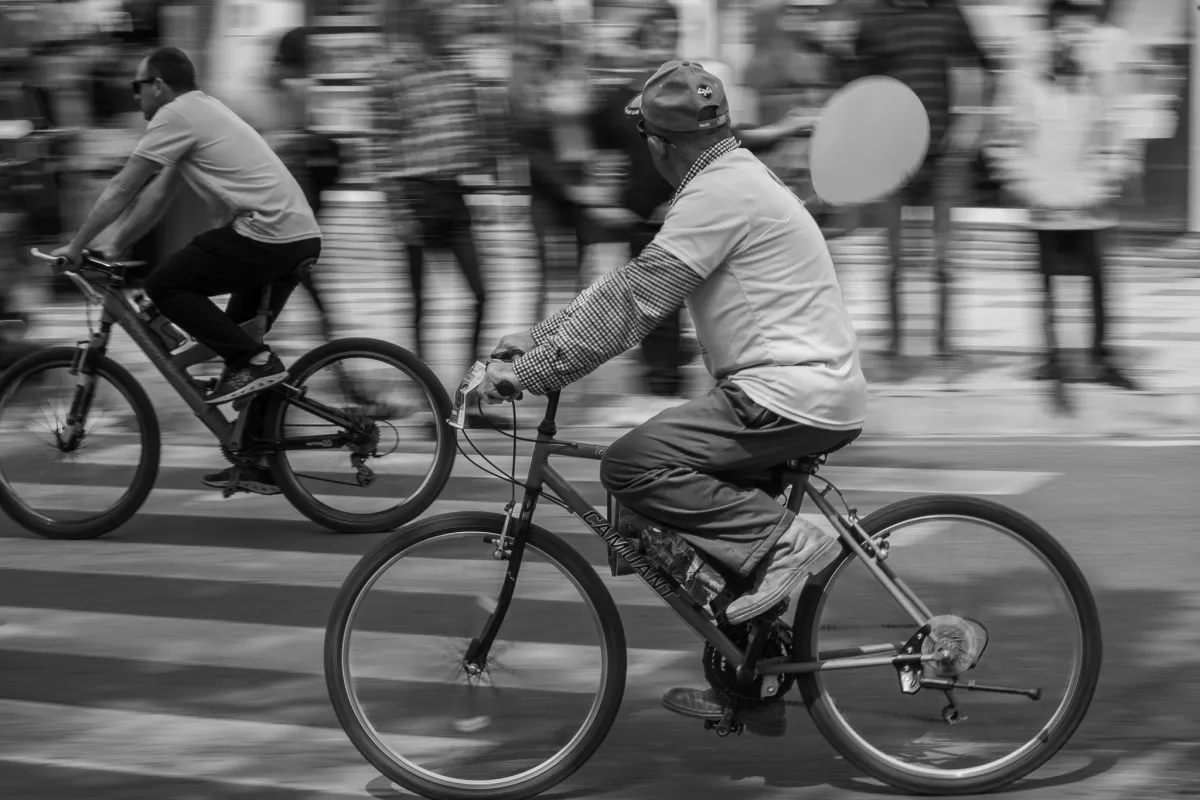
x=770, y=313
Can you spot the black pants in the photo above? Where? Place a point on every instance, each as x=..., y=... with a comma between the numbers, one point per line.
x=680, y=469
x=662, y=349
x=218, y=262
x=440, y=207
x=1073, y=253
x=935, y=185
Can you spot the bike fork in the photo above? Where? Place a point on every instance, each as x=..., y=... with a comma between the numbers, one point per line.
x=86, y=353
x=510, y=550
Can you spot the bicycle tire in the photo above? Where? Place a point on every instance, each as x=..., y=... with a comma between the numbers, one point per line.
x=443, y=463
x=147, y=470
x=360, y=578
x=852, y=748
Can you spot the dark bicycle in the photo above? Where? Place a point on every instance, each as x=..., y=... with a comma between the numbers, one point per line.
x=346, y=437
x=479, y=655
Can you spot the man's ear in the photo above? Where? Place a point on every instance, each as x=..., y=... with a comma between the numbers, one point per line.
x=658, y=147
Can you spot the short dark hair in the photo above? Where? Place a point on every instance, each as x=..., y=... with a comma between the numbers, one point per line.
x=292, y=51
x=174, y=68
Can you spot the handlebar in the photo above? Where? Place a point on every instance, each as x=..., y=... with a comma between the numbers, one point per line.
x=471, y=382
x=89, y=257
x=505, y=388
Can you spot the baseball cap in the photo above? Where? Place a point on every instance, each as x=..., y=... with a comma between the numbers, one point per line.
x=682, y=96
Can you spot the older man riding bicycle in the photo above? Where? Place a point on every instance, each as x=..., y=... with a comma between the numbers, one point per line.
x=753, y=268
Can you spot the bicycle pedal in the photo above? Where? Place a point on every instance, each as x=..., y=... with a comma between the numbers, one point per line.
x=723, y=728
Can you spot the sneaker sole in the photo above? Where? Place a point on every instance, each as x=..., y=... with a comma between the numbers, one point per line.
x=819, y=561
x=254, y=487
x=254, y=386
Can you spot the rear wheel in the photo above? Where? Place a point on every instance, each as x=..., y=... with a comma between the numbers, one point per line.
x=79, y=453
x=402, y=438
x=966, y=559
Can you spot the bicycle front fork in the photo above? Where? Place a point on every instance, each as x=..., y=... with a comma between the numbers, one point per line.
x=83, y=368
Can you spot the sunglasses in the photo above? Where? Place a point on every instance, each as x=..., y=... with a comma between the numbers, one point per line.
x=136, y=84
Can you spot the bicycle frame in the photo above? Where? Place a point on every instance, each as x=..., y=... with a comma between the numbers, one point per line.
x=118, y=309
x=542, y=476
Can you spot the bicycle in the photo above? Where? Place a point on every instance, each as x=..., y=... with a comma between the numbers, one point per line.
x=747, y=664
x=259, y=432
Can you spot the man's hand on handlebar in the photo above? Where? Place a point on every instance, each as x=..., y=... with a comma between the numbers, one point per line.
x=500, y=383
x=72, y=254
x=513, y=345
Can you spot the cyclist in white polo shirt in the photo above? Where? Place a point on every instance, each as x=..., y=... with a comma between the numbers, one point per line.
x=265, y=225
x=754, y=270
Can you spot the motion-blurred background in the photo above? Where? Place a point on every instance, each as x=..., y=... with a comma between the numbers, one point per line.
x=543, y=73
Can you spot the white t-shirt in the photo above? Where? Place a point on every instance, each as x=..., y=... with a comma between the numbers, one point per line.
x=770, y=313
x=231, y=166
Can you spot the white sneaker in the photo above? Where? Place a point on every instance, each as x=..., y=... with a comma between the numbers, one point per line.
x=803, y=550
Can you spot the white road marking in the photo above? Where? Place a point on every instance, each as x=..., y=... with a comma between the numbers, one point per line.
x=228, y=751
x=859, y=479
x=412, y=658
x=413, y=575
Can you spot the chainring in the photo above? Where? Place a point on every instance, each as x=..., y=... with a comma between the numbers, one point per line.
x=722, y=675
x=236, y=460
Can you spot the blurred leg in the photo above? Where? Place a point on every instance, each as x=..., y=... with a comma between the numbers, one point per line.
x=892, y=210
x=949, y=173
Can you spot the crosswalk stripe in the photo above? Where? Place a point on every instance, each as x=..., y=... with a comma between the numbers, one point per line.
x=847, y=478
x=540, y=666
x=438, y=576
x=240, y=752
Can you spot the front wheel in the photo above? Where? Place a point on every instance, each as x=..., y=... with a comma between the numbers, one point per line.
x=969, y=561
x=433, y=716
x=79, y=452
x=401, y=455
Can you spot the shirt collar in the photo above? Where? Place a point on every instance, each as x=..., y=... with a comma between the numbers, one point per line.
x=706, y=159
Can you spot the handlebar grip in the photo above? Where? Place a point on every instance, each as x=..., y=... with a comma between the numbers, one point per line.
x=508, y=355
x=505, y=389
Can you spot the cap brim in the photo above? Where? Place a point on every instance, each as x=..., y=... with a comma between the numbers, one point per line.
x=634, y=107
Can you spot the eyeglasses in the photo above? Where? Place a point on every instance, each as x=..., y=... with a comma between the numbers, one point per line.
x=136, y=84
x=645, y=134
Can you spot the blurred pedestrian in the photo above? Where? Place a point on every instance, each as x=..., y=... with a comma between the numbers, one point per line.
x=432, y=119
x=552, y=97
x=918, y=42
x=313, y=158
x=644, y=201
x=1064, y=152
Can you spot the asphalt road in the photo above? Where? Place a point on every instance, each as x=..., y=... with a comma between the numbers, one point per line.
x=180, y=656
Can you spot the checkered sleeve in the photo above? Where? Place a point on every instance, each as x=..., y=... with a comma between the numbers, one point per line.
x=611, y=316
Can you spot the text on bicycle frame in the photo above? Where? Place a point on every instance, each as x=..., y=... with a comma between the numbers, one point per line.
x=626, y=549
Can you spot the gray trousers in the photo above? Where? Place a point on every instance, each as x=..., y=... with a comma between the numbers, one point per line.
x=681, y=469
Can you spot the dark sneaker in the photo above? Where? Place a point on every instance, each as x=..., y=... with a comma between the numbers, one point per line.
x=804, y=549
x=256, y=480
x=247, y=379
x=764, y=719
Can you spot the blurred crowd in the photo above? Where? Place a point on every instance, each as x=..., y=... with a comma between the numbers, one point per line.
x=1047, y=112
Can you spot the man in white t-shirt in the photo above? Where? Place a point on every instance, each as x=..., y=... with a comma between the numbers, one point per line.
x=754, y=270
x=265, y=225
